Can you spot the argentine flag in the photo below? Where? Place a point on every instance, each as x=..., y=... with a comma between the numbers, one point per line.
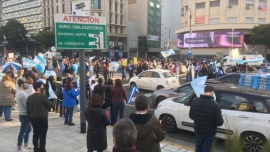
x=52, y=95
x=75, y=67
x=27, y=63
x=41, y=63
x=131, y=93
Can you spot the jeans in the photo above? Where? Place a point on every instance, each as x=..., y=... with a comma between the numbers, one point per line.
x=204, y=143
x=118, y=107
x=24, y=130
x=69, y=115
x=105, y=77
x=7, y=111
x=40, y=128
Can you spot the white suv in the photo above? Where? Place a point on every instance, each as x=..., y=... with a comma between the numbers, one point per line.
x=245, y=111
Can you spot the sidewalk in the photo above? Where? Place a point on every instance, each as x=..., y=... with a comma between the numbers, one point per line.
x=62, y=138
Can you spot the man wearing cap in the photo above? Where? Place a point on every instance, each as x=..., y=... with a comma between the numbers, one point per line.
x=25, y=129
x=206, y=113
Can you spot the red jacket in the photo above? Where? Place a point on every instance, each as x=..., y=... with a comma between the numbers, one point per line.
x=105, y=69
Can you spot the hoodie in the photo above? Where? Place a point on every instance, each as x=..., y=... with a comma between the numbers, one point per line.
x=149, y=132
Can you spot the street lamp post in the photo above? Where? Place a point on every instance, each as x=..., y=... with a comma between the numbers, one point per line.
x=190, y=17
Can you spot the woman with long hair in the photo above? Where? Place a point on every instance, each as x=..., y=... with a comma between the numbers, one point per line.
x=119, y=100
x=97, y=119
x=109, y=97
x=69, y=101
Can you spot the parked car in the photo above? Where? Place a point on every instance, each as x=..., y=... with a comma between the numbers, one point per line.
x=260, y=69
x=246, y=112
x=154, y=79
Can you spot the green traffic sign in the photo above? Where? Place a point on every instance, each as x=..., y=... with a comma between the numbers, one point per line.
x=80, y=32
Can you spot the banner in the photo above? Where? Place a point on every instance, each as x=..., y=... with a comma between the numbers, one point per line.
x=259, y=81
x=167, y=53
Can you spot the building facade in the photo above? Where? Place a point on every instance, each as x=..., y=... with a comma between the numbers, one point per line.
x=115, y=12
x=27, y=12
x=214, y=27
x=147, y=15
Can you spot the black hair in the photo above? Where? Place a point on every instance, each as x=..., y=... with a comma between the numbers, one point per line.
x=209, y=88
x=20, y=82
x=141, y=103
x=37, y=85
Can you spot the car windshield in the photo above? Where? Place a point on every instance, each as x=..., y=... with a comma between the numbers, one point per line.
x=167, y=74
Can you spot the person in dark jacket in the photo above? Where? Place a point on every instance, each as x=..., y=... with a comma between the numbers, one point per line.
x=206, y=113
x=124, y=136
x=99, y=88
x=149, y=129
x=108, y=97
x=97, y=119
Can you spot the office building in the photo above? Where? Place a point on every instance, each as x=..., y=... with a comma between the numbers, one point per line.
x=147, y=15
x=218, y=26
x=27, y=12
x=114, y=10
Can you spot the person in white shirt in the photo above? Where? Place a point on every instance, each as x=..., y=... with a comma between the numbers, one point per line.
x=25, y=128
x=111, y=69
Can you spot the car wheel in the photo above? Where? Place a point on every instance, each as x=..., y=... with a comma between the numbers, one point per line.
x=168, y=123
x=253, y=142
x=132, y=85
x=160, y=87
x=159, y=99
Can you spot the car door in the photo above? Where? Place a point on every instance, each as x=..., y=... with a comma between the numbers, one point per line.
x=144, y=80
x=183, y=113
x=154, y=81
x=235, y=112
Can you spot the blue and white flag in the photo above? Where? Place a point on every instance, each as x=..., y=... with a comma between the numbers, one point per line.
x=131, y=93
x=48, y=73
x=27, y=63
x=41, y=63
x=167, y=53
x=52, y=95
x=7, y=66
x=75, y=67
x=198, y=85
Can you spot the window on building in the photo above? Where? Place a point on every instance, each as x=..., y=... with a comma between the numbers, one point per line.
x=56, y=1
x=110, y=18
x=49, y=22
x=121, y=8
x=249, y=20
x=249, y=2
x=52, y=10
x=200, y=5
x=115, y=7
x=232, y=19
x=116, y=16
x=57, y=11
x=261, y=20
x=48, y=2
x=51, y=2
x=233, y=2
x=262, y=2
x=110, y=28
x=151, y=4
x=110, y=6
x=96, y=4
x=121, y=30
x=214, y=21
x=63, y=8
x=45, y=11
x=158, y=6
x=121, y=20
x=70, y=5
x=49, y=13
x=115, y=29
x=215, y=3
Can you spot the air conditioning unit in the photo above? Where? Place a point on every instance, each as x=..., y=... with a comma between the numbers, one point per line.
x=247, y=6
x=230, y=5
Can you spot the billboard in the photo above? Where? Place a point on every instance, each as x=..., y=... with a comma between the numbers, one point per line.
x=220, y=39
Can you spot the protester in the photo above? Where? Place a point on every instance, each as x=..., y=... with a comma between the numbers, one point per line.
x=87, y=85
x=124, y=136
x=111, y=70
x=191, y=72
x=37, y=106
x=69, y=101
x=99, y=88
x=7, y=92
x=25, y=128
x=96, y=68
x=149, y=129
x=105, y=71
x=206, y=113
x=74, y=79
x=108, y=97
x=119, y=100
x=97, y=119
x=130, y=69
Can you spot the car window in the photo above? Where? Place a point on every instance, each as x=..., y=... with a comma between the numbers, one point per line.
x=231, y=79
x=146, y=74
x=167, y=74
x=155, y=75
x=187, y=97
x=233, y=102
x=259, y=106
x=185, y=89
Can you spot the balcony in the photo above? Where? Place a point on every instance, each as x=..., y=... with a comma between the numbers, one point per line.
x=12, y=2
x=21, y=7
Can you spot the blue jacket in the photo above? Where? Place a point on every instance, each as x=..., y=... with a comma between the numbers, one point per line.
x=69, y=98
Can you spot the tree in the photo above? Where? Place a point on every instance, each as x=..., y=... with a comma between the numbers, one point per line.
x=45, y=38
x=15, y=34
x=260, y=35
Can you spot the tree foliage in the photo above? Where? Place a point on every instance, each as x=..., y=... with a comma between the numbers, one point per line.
x=45, y=38
x=260, y=35
x=15, y=34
